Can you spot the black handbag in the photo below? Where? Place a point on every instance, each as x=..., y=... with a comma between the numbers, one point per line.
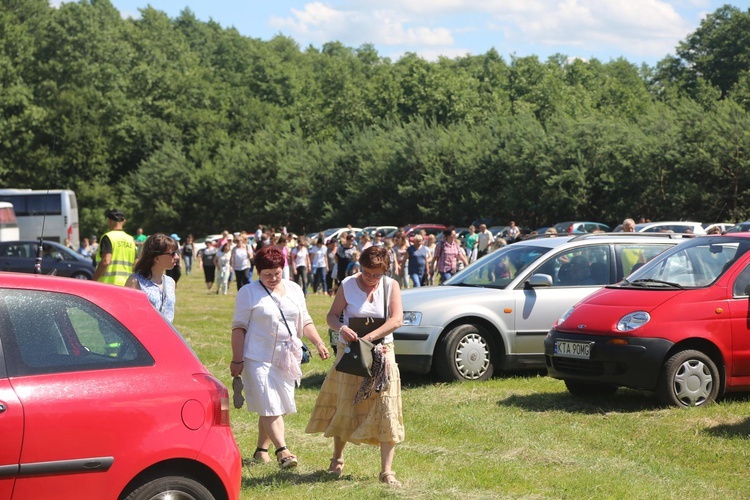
x=357, y=358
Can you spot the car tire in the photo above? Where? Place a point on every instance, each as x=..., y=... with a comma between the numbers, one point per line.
x=81, y=276
x=180, y=487
x=688, y=378
x=589, y=389
x=465, y=354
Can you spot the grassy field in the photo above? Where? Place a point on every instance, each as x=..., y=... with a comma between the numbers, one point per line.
x=521, y=436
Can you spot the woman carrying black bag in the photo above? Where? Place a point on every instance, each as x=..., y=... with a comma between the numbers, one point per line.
x=378, y=419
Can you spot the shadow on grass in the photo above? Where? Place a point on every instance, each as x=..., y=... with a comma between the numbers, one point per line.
x=740, y=430
x=624, y=401
x=313, y=381
x=291, y=477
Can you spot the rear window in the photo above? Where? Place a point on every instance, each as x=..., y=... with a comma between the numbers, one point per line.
x=70, y=334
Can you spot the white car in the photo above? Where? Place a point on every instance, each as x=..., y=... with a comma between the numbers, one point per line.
x=495, y=314
x=335, y=233
x=723, y=226
x=680, y=227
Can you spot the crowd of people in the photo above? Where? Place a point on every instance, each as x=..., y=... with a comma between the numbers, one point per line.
x=364, y=277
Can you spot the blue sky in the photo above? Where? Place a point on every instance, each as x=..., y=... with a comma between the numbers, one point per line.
x=638, y=30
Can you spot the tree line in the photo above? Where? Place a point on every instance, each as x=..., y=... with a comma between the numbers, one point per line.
x=188, y=126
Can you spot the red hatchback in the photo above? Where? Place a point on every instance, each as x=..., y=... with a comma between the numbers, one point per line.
x=101, y=398
x=679, y=326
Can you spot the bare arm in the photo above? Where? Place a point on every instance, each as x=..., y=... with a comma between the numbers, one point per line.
x=101, y=268
x=133, y=283
x=238, y=347
x=311, y=333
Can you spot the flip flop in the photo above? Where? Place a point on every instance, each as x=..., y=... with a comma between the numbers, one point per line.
x=237, y=397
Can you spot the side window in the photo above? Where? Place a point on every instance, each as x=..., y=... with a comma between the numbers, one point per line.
x=71, y=334
x=741, y=283
x=630, y=257
x=587, y=266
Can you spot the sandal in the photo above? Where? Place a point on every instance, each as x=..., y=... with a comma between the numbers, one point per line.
x=288, y=461
x=389, y=478
x=337, y=467
x=259, y=460
x=237, y=397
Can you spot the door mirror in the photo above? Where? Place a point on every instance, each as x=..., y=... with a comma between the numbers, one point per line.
x=540, y=280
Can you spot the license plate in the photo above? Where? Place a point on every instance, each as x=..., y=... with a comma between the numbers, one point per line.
x=334, y=335
x=567, y=349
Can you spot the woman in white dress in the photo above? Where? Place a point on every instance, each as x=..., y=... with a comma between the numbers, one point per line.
x=270, y=318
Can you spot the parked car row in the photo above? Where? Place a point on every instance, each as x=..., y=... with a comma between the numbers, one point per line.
x=495, y=314
x=651, y=311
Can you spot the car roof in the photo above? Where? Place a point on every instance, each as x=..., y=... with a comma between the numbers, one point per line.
x=553, y=241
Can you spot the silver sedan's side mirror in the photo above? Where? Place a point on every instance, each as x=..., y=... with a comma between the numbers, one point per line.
x=540, y=280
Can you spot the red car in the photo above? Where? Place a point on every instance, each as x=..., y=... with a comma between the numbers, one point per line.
x=101, y=398
x=679, y=326
x=435, y=229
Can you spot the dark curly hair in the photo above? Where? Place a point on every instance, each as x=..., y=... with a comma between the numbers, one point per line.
x=268, y=257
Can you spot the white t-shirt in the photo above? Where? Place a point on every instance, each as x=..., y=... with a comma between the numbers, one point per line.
x=318, y=256
x=300, y=256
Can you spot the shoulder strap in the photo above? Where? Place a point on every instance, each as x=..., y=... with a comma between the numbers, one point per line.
x=385, y=300
x=277, y=305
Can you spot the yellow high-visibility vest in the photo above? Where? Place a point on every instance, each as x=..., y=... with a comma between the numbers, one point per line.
x=123, y=258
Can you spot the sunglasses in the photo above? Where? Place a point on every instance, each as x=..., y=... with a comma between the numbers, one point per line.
x=173, y=254
x=371, y=275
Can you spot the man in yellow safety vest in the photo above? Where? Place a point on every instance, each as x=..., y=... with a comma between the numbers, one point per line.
x=116, y=254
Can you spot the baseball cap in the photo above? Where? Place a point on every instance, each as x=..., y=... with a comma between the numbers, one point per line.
x=174, y=237
x=115, y=215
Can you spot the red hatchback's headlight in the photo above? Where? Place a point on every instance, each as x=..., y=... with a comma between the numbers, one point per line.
x=632, y=321
x=219, y=398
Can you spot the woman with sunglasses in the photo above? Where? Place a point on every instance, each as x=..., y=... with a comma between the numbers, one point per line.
x=376, y=420
x=158, y=255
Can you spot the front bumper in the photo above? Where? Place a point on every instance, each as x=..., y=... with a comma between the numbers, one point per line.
x=636, y=364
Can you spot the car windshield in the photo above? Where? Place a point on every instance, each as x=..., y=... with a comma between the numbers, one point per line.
x=499, y=268
x=697, y=263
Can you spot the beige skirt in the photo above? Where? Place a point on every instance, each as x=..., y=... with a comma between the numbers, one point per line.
x=374, y=421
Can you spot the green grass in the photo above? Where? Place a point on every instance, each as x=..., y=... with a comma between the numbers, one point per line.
x=522, y=436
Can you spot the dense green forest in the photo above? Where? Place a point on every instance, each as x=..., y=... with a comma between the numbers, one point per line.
x=189, y=126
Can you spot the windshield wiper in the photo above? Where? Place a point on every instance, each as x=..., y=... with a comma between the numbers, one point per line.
x=651, y=280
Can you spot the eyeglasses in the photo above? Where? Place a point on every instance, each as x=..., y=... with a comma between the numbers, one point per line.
x=371, y=275
x=173, y=254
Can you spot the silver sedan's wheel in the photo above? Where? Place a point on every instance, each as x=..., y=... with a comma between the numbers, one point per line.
x=465, y=354
x=689, y=378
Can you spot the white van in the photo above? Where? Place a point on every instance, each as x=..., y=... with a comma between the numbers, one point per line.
x=48, y=213
x=8, y=223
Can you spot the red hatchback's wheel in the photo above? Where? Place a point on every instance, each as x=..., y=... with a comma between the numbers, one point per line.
x=171, y=488
x=689, y=378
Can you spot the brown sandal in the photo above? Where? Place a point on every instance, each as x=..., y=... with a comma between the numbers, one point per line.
x=288, y=461
x=337, y=467
x=389, y=478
